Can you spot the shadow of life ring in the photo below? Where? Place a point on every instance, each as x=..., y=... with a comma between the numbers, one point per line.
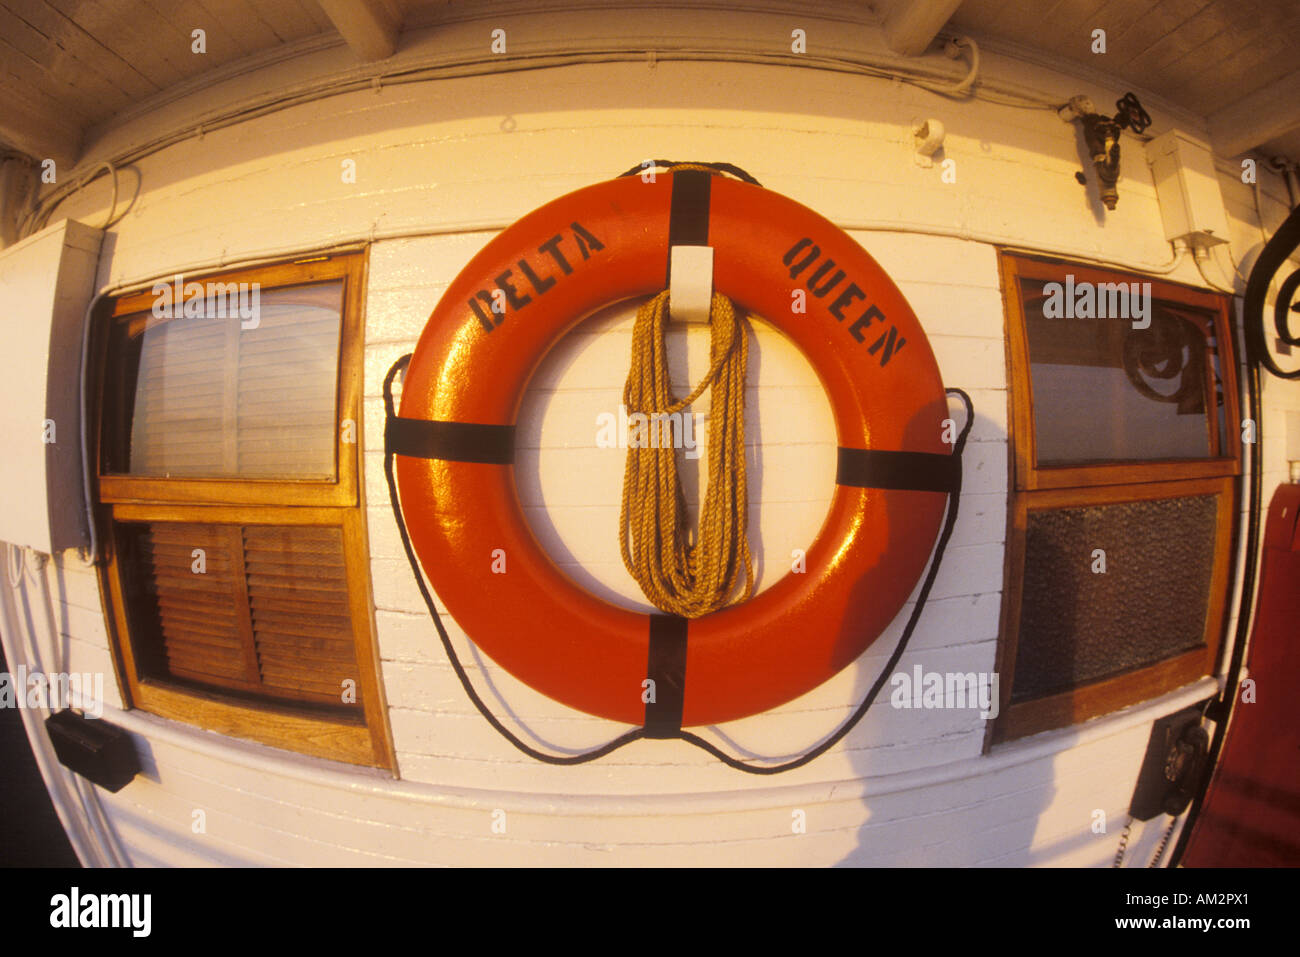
x=454, y=445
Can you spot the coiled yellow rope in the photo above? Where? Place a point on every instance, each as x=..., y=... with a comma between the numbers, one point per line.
x=677, y=575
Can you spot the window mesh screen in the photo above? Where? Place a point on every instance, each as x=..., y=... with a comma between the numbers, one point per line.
x=1078, y=626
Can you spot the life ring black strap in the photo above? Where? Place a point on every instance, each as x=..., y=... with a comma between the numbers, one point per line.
x=452, y=441
x=688, y=225
x=666, y=667
x=915, y=471
x=688, y=212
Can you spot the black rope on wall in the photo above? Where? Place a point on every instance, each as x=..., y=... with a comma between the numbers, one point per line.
x=735, y=171
x=949, y=523
x=483, y=709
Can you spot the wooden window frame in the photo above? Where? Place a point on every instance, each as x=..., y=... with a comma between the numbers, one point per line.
x=343, y=490
x=1033, y=488
x=364, y=739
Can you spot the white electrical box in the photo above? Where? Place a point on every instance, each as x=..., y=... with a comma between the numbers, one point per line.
x=46, y=285
x=1187, y=188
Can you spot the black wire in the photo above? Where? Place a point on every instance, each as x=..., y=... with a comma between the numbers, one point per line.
x=1245, y=614
x=735, y=171
x=492, y=719
x=638, y=733
x=1271, y=259
x=1164, y=843
x=951, y=520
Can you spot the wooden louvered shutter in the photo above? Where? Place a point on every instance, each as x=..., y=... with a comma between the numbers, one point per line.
x=254, y=608
x=298, y=600
x=189, y=609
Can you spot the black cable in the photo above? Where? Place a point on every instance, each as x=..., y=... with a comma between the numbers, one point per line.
x=735, y=171
x=1227, y=702
x=638, y=733
x=1271, y=259
x=890, y=665
x=604, y=749
x=1164, y=843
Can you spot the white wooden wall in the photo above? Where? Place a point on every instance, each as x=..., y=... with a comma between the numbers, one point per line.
x=907, y=787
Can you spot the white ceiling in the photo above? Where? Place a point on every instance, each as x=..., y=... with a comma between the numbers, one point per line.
x=67, y=66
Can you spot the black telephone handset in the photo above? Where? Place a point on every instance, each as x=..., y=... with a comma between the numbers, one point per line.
x=1173, y=766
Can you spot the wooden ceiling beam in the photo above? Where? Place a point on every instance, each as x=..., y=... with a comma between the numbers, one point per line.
x=912, y=25
x=39, y=134
x=1267, y=113
x=368, y=26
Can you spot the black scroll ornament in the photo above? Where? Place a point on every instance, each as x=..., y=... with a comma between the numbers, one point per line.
x=1269, y=264
x=1163, y=352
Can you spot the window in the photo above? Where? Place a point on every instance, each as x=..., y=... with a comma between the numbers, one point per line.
x=229, y=497
x=1125, y=450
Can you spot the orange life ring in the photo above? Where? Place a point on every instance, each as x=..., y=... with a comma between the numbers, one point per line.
x=454, y=441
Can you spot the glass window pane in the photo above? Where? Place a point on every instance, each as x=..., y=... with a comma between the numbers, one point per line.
x=1104, y=391
x=247, y=389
